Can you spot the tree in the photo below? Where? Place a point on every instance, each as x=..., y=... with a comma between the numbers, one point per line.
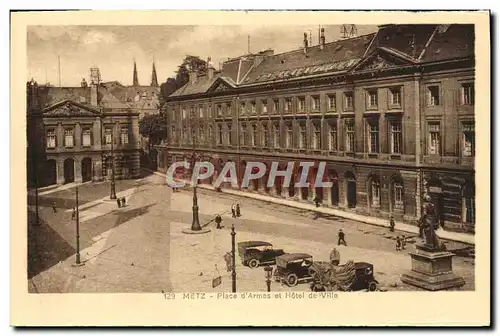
x=153, y=127
x=182, y=76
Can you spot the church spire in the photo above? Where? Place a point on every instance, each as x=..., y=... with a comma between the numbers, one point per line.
x=154, y=78
x=136, y=79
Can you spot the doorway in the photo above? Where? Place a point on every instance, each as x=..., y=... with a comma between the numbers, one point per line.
x=49, y=176
x=69, y=170
x=86, y=169
x=351, y=190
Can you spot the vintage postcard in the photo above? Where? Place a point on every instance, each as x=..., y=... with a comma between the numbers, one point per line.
x=250, y=168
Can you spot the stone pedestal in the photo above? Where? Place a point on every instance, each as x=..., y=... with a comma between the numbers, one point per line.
x=431, y=269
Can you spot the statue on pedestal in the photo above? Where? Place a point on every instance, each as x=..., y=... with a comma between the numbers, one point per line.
x=429, y=221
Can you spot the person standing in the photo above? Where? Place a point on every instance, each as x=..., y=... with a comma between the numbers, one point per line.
x=218, y=220
x=238, y=211
x=341, y=238
x=54, y=206
x=398, y=243
x=73, y=214
x=317, y=201
x=118, y=202
x=233, y=211
x=403, y=243
x=392, y=224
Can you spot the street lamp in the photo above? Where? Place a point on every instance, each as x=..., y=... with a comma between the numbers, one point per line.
x=233, y=256
x=269, y=273
x=77, y=230
x=113, y=190
x=195, y=224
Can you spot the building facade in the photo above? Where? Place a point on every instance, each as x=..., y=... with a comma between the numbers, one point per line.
x=388, y=112
x=80, y=134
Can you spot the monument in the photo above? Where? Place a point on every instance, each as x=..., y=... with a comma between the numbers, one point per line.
x=431, y=267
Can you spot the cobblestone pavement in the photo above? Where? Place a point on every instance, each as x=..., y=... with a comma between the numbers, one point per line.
x=140, y=248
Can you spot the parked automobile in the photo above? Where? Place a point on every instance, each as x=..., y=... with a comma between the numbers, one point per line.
x=292, y=268
x=255, y=253
x=352, y=276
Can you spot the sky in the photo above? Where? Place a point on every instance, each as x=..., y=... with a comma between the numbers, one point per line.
x=113, y=48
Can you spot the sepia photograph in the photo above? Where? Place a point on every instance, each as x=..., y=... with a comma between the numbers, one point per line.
x=220, y=161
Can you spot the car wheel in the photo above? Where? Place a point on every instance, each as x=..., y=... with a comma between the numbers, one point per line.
x=292, y=280
x=254, y=263
x=372, y=286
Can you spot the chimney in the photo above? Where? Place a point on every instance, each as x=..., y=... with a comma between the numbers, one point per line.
x=84, y=83
x=322, y=39
x=305, y=42
x=32, y=88
x=210, y=69
x=93, y=94
x=192, y=74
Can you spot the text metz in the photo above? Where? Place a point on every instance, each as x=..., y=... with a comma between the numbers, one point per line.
x=193, y=296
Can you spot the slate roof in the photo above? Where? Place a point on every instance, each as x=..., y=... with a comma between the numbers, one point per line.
x=411, y=43
x=455, y=41
x=50, y=95
x=335, y=56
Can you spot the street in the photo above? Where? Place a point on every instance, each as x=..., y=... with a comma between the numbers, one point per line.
x=141, y=247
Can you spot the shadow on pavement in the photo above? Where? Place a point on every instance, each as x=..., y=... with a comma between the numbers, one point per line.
x=45, y=247
x=126, y=215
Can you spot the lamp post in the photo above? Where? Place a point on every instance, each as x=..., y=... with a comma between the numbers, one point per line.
x=233, y=256
x=195, y=224
x=77, y=230
x=269, y=273
x=113, y=190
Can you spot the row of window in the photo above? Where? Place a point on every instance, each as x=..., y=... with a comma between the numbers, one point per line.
x=265, y=106
x=269, y=135
x=86, y=137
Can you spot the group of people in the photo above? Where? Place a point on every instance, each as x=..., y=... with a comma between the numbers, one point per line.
x=121, y=202
x=235, y=210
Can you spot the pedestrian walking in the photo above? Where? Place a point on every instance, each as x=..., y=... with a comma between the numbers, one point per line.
x=341, y=238
x=238, y=211
x=398, y=243
x=124, y=202
x=233, y=211
x=73, y=214
x=403, y=243
x=118, y=203
x=392, y=224
x=54, y=206
x=218, y=220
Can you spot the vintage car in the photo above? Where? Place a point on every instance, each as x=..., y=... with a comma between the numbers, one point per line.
x=352, y=276
x=255, y=253
x=292, y=268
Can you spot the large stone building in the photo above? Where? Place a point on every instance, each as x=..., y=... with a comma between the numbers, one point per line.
x=77, y=134
x=387, y=112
